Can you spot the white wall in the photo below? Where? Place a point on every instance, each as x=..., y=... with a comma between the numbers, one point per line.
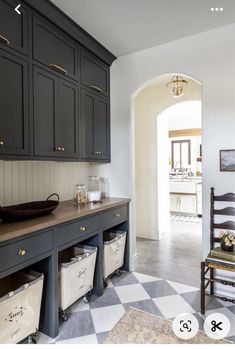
x=185, y=115
x=22, y=181
x=208, y=57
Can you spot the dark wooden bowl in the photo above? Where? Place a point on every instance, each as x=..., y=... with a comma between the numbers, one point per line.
x=28, y=210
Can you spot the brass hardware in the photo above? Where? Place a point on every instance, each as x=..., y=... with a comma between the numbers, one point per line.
x=58, y=149
x=98, y=152
x=21, y=252
x=83, y=228
x=1, y=143
x=117, y=215
x=96, y=88
x=58, y=68
x=4, y=40
x=62, y=148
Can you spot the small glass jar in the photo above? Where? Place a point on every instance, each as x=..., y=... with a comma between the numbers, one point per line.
x=94, y=189
x=80, y=195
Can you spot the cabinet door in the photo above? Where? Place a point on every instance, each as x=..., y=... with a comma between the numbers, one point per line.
x=45, y=110
x=14, y=115
x=13, y=27
x=94, y=74
x=102, y=129
x=53, y=49
x=66, y=119
x=87, y=125
x=188, y=204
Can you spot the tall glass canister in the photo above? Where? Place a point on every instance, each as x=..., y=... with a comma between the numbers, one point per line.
x=94, y=189
x=79, y=195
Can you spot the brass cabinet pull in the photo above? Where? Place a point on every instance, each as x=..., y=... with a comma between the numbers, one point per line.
x=58, y=68
x=96, y=88
x=82, y=228
x=1, y=143
x=4, y=40
x=58, y=149
x=117, y=215
x=21, y=252
x=98, y=152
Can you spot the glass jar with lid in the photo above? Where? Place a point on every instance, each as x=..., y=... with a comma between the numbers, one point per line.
x=79, y=195
x=94, y=189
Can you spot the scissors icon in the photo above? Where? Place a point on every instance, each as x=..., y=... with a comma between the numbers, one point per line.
x=216, y=326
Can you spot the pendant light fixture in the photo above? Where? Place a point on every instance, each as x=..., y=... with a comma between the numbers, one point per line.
x=177, y=85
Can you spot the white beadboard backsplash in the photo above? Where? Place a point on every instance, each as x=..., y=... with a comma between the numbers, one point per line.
x=22, y=181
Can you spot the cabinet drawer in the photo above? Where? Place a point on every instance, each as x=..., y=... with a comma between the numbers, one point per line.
x=75, y=230
x=23, y=250
x=94, y=74
x=115, y=216
x=13, y=27
x=54, y=49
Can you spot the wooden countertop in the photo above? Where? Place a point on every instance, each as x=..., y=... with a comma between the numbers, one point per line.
x=65, y=212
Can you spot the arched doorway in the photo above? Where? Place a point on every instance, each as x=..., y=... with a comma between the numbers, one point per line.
x=150, y=190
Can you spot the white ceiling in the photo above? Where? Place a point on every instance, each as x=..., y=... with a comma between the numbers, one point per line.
x=127, y=26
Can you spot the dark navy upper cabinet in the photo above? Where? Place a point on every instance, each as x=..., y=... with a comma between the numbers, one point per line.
x=95, y=127
x=14, y=113
x=55, y=50
x=55, y=116
x=13, y=27
x=94, y=74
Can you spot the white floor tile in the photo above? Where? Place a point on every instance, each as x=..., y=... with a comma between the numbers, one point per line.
x=106, y=317
x=91, y=339
x=145, y=278
x=43, y=339
x=131, y=293
x=182, y=288
x=78, y=306
x=171, y=306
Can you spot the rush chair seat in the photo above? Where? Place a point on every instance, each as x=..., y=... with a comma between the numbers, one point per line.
x=211, y=264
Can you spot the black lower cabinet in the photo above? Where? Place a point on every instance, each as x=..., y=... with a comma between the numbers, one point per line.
x=55, y=116
x=95, y=127
x=14, y=113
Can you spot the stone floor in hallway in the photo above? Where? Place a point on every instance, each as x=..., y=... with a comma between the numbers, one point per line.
x=90, y=323
x=176, y=256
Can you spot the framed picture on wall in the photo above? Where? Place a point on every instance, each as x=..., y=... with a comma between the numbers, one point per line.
x=227, y=160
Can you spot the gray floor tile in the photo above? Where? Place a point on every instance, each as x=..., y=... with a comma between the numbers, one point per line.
x=101, y=337
x=193, y=298
x=231, y=339
x=159, y=289
x=78, y=324
x=124, y=279
x=108, y=298
x=232, y=308
x=147, y=305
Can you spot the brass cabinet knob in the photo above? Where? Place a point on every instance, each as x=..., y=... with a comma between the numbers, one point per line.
x=117, y=215
x=58, y=149
x=21, y=252
x=82, y=228
x=1, y=143
x=62, y=148
x=98, y=152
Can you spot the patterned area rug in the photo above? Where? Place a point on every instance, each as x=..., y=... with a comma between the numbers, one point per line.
x=139, y=327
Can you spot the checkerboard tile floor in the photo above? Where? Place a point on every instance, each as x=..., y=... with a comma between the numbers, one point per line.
x=90, y=323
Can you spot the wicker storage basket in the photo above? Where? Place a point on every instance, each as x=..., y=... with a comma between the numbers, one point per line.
x=76, y=273
x=20, y=303
x=114, y=248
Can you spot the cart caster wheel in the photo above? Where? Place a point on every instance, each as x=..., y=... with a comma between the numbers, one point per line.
x=117, y=273
x=64, y=316
x=86, y=299
x=105, y=284
x=31, y=340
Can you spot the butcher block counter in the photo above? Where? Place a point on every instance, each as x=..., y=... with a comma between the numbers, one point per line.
x=35, y=244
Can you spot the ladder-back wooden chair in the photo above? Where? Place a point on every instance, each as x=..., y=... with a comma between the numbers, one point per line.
x=208, y=268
